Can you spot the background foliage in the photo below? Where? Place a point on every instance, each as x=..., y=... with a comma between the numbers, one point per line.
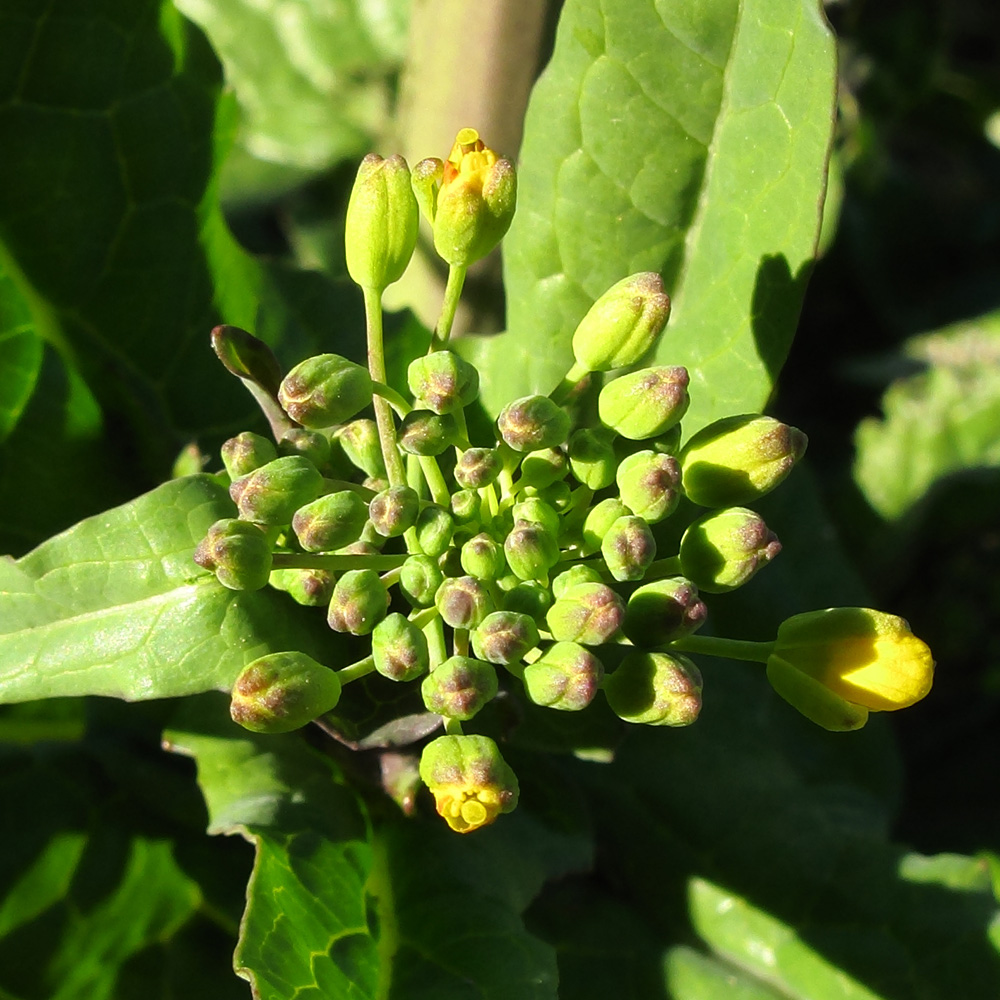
x=751, y=854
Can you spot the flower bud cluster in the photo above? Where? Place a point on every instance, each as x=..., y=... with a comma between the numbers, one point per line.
x=520, y=564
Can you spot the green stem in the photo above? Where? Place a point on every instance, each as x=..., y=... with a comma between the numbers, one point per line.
x=460, y=642
x=400, y=405
x=336, y=485
x=570, y=381
x=732, y=649
x=335, y=563
x=453, y=727
x=383, y=411
x=424, y=618
x=434, y=631
x=435, y=480
x=662, y=568
x=356, y=670
x=452, y=293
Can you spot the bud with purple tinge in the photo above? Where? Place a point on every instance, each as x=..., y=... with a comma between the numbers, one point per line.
x=655, y=689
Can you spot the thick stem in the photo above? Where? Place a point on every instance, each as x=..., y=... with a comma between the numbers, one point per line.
x=732, y=649
x=383, y=411
x=396, y=401
x=356, y=670
x=452, y=293
x=570, y=381
x=334, y=563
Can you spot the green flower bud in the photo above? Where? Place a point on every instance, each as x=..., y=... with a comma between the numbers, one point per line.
x=359, y=602
x=649, y=485
x=483, y=558
x=628, y=548
x=655, y=689
x=566, y=677
x=540, y=469
x=589, y=613
x=280, y=692
x=668, y=443
x=237, y=552
x=477, y=467
x=598, y=522
x=623, y=324
x=459, y=687
x=246, y=452
x=274, y=492
x=573, y=577
x=470, y=781
x=645, y=403
x=312, y=588
x=325, y=390
x=330, y=522
x=663, y=611
x=536, y=511
x=419, y=580
x=442, y=381
x=309, y=444
x=394, y=510
x=722, y=550
x=473, y=204
x=558, y=496
x=381, y=228
x=434, y=527
x=738, y=459
x=531, y=551
x=533, y=422
x=360, y=442
x=528, y=598
x=399, y=649
x=592, y=457
x=463, y=601
x=465, y=506
x=247, y=357
x=504, y=637
x=424, y=432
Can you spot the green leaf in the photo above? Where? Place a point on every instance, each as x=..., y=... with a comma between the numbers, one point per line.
x=691, y=975
x=20, y=353
x=686, y=140
x=938, y=422
x=311, y=81
x=115, y=606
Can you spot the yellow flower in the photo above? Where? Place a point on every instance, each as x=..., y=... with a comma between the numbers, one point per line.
x=471, y=783
x=836, y=666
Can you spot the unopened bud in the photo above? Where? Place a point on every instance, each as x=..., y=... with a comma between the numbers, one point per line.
x=504, y=637
x=309, y=444
x=531, y=551
x=325, y=390
x=435, y=527
x=566, y=677
x=246, y=452
x=247, y=357
x=394, y=510
x=663, y=611
x=589, y=613
x=381, y=227
x=474, y=204
x=540, y=469
x=655, y=689
x=536, y=511
x=330, y=522
x=477, y=467
x=592, y=457
x=623, y=324
x=739, y=459
x=442, y=381
x=529, y=598
x=646, y=403
x=359, y=602
x=533, y=422
x=471, y=783
x=424, y=432
x=459, y=687
x=399, y=649
x=628, y=548
x=482, y=557
x=274, y=492
x=465, y=506
x=419, y=580
x=598, y=522
x=237, y=552
x=463, y=601
x=723, y=550
x=280, y=692
x=312, y=588
x=573, y=577
x=649, y=485
x=360, y=443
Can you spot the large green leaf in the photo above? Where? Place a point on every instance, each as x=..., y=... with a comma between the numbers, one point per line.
x=686, y=139
x=115, y=606
x=338, y=908
x=943, y=420
x=20, y=353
